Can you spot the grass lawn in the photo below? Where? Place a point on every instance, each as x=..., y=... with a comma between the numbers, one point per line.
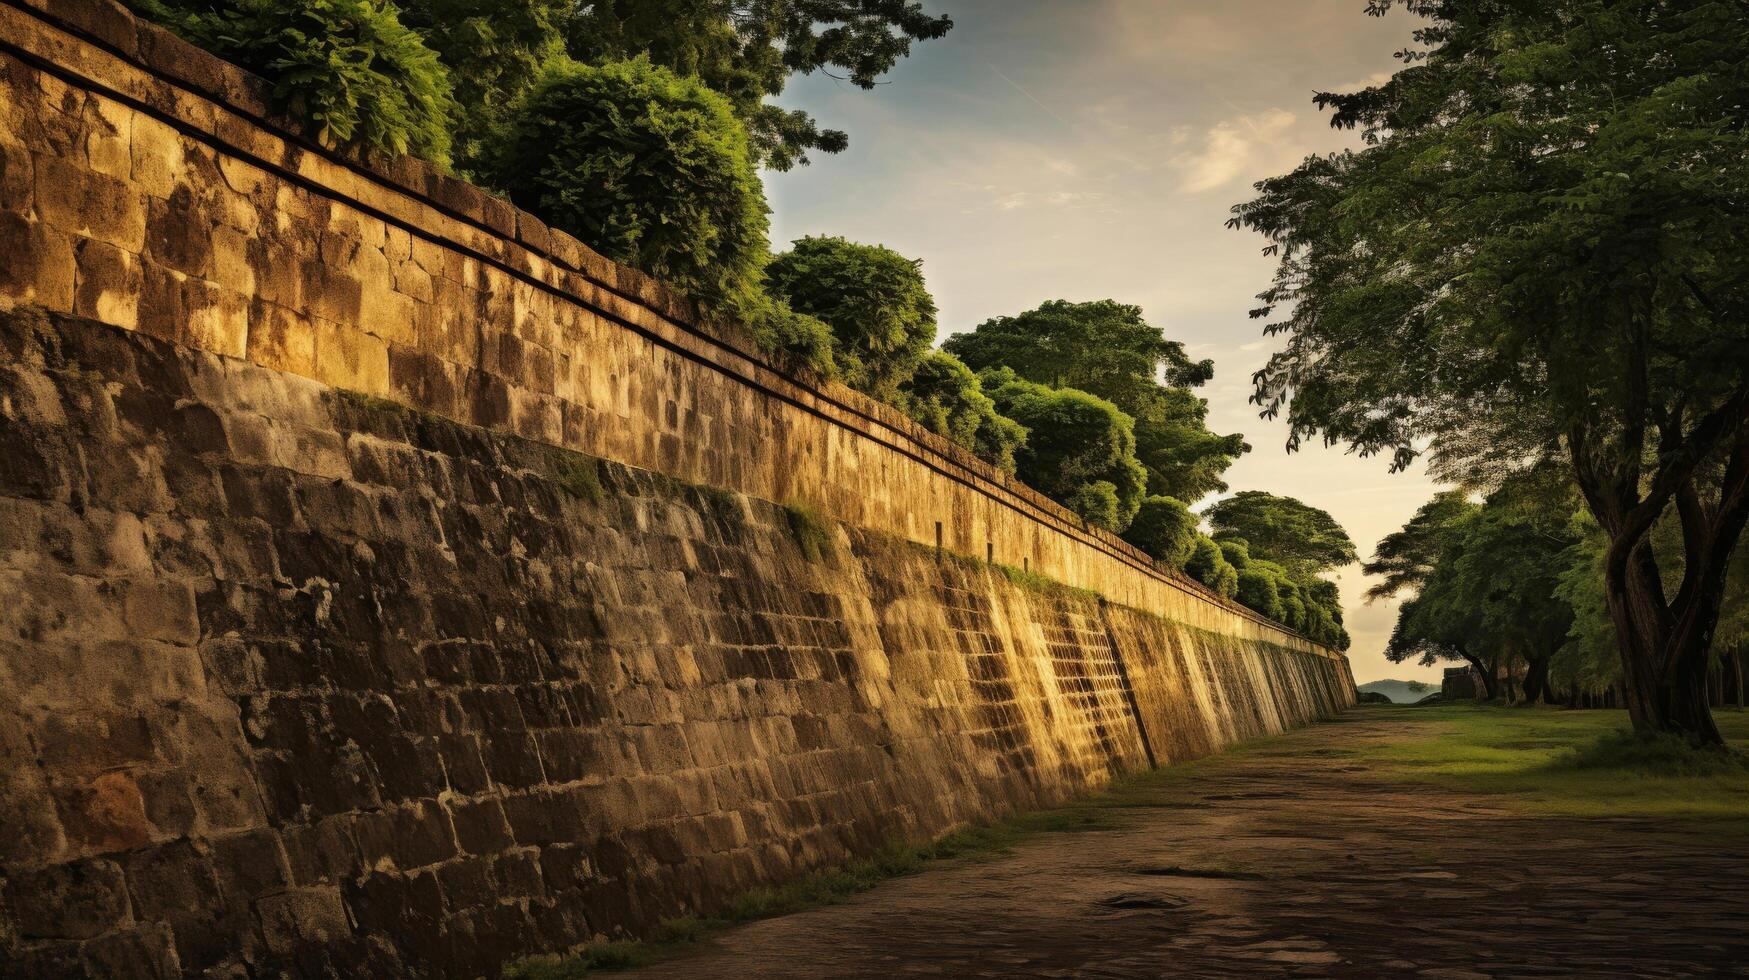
x=1554, y=761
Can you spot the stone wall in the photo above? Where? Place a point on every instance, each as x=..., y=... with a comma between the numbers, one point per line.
x=305, y=681
x=143, y=184
x=325, y=648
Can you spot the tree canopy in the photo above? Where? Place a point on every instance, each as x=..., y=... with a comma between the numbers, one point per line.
x=747, y=50
x=646, y=167
x=1164, y=528
x=1080, y=450
x=1283, y=530
x=874, y=299
x=1108, y=349
x=946, y=398
x=1539, y=254
x=495, y=51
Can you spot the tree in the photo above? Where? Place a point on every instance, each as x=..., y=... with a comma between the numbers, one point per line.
x=874, y=299
x=1539, y=255
x=1405, y=558
x=1166, y=529
x=495, y=51
x=1296, y=598
x=1486, y=579
x=747, y=49
x=1080, y=450
x=350, y=68
x=1210, y=567
x=646, y=168
x=1282, y=529
x=945, y=397
x=1108, y=349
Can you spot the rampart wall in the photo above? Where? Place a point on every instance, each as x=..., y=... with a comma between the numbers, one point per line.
x=391, y=584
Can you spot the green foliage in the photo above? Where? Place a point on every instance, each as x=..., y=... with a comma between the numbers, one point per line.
x=747, y=51
x=1259, y=591
x=1487, y=579
x=349, y=67
x=812, y=532
x=494, y=50
x=647, y=168
x=1208, y=565
x=1080, y=450
x=579, y=476
x=1166, y=529
x=1405, y=559
x=874, y=299
x=946, y=398
x=1237, y=551
x=1538, y=257
x=1655, y=754
x=1283, y=530
x=798, y=340
x=1097, y=504
x=1107, y=349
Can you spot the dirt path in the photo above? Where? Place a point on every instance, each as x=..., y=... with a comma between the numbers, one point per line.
x=1295, y=859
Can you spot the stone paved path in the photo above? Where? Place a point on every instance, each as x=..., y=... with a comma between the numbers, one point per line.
x=1262, y=866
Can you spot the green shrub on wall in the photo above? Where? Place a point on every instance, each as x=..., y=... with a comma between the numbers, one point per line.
x=645, y=167
x=945, y=397
x=349, y=67
x=1164, y=528
x=874, y=299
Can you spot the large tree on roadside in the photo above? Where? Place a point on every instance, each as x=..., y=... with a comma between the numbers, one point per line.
x=1542, y=252
x=748, y=49
x=1107, y=348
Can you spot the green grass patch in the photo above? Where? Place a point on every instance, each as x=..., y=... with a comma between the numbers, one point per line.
x=579, y=476
x=812, y=532
x=1574, y=763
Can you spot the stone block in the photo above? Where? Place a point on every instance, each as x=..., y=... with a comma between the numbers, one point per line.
x=17, y=179
x=68, y=901
x=302, y=916
x=91, y=205
x=170, y=879
x=281, y=339
x=40, y=265
x=351, y=359
x=108, y=134
x=110, y=284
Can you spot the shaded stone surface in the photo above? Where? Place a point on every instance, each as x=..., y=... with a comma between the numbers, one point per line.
x=1292, y=862
x=299, y=681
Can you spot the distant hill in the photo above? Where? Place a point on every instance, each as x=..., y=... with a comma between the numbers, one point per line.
x=1402, y=692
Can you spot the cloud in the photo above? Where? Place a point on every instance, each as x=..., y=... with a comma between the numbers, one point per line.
x=1231, y=149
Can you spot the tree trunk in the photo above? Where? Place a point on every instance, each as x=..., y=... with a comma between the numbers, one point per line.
x=1488, y=680
x=1536, y=680
x=1737, y=662
x=1663, y=663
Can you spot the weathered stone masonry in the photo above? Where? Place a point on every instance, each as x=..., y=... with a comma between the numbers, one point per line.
x=323, y=651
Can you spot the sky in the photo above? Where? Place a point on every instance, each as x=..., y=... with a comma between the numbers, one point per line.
x=1091, y=149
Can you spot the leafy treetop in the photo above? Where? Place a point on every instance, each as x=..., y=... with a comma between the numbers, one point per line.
x=873, y=298
x=748, y=49
x=1283, y=530
x=1108, y=349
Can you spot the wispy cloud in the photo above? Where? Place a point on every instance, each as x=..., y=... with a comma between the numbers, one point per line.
x=1233, y=148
